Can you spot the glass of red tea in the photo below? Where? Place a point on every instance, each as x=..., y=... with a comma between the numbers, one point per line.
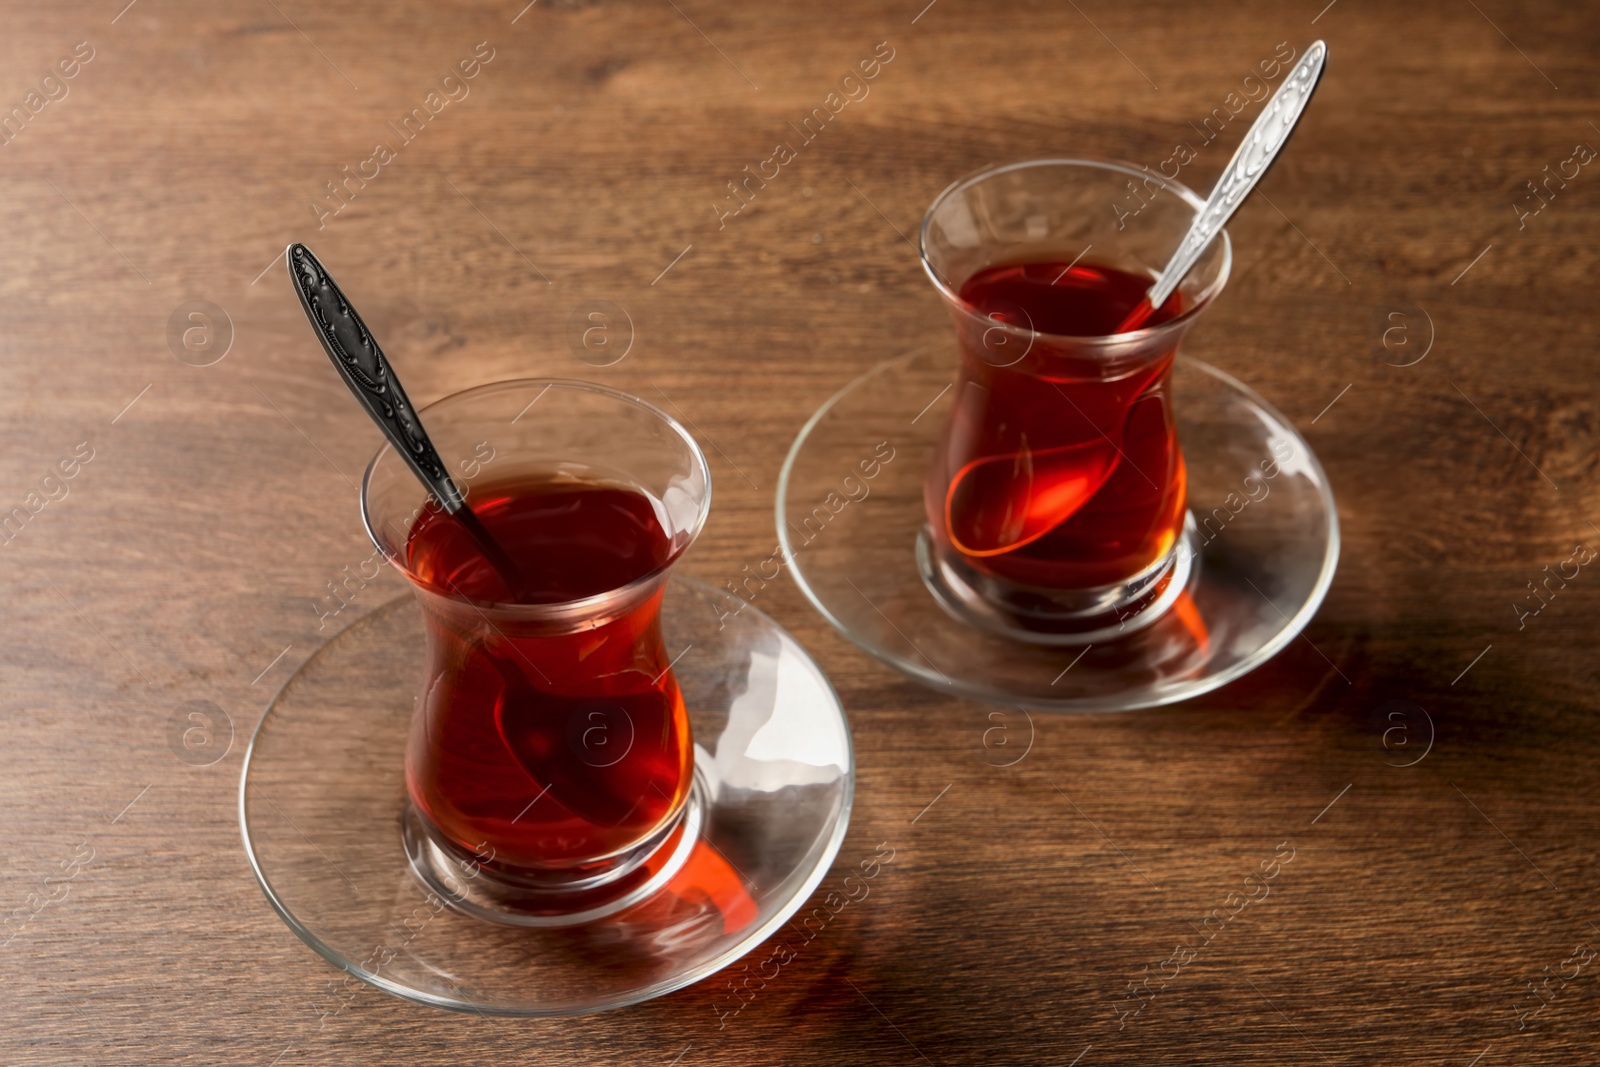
x=1056, y=509
x=550, y=750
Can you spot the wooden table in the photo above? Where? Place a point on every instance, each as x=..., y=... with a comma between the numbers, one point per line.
x=1437, y=913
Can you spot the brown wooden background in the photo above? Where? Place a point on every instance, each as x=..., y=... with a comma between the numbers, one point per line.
x=184, y=562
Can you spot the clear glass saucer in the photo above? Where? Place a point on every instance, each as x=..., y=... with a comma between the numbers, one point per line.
x=1262, y=528
x=323, y=803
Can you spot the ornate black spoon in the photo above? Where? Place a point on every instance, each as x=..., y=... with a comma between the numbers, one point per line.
x=361, y=363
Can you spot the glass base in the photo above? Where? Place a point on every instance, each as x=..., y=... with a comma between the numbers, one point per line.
x=1097, y=614
x=519, y=900
x=1263, y=544
x=350, y=868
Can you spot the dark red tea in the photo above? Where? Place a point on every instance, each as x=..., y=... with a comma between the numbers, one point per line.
x=540, y=744
x=1059, y=471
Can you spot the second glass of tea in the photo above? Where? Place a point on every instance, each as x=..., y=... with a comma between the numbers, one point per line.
x=1056, y=499
x=550, y=748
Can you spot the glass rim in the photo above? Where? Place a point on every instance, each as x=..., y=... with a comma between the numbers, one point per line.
x=1132, y=337
x=561, y=610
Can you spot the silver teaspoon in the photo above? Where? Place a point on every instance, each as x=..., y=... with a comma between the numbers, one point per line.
x=1262, y=143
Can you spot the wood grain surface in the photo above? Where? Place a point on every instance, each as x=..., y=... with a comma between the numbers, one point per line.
x=1440, y=913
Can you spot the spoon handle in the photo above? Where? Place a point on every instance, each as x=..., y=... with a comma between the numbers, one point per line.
x=364, y=368
x=1261, y=146
x=362, y=365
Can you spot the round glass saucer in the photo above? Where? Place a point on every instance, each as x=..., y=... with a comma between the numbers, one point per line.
x=322, y=806
x=1262, y=530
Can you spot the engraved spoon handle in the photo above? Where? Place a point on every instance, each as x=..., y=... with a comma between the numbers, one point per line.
x=1262, y=143
x=364, y=368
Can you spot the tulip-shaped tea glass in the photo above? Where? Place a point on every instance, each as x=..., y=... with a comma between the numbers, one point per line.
x=1066, y=521
x=602, y=784
x=550, y=734
x=1056, y=498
